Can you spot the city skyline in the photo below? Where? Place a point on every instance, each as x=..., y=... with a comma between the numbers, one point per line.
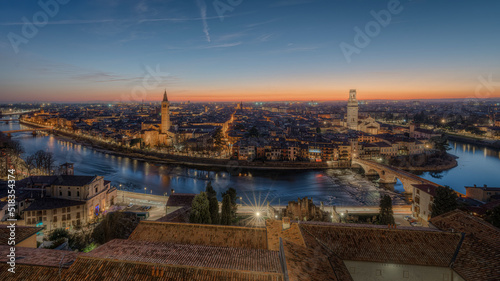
x=251, y=51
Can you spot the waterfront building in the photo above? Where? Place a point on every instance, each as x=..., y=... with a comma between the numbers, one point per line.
x=67, y=201
x=423, y=198
x=482, y=193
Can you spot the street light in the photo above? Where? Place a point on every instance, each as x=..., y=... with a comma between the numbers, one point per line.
x=145, y=190
x=257, y=214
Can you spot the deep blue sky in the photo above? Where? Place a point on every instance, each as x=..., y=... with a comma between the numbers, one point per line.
x=261, y=50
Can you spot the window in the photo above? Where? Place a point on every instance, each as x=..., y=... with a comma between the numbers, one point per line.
x=78, y=215
x=55, y=211
x=55, y=219
x=78, y=193
x=63, y=217
x=96, y=189
x=44, y=212
x=68, y=217
x=60, y=193
x=69, y=193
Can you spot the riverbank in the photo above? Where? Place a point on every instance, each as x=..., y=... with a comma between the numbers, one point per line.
x=475, y=141
x=425, y=163
x=232, y=166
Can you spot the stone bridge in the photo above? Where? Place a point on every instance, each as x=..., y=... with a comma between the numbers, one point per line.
x=34, y=130
x=8, y=120
x=390, y=174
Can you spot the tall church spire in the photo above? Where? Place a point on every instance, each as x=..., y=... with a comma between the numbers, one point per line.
x=165, y=96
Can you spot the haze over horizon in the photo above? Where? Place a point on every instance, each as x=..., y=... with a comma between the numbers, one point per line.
x=255, y=51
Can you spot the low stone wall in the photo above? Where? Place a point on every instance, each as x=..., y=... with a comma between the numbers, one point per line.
x=127, y=197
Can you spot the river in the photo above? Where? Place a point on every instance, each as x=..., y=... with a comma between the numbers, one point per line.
x=337, y=187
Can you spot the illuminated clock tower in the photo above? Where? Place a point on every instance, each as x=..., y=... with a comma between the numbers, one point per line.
x=352, y=111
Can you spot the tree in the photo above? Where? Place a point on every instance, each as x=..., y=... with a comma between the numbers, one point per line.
x=200, y=209
x=214, y=210
x=494, y=217
x=440, y=143
x=116, y=225
x=385, y=216
x=232, y=195
x=210, y=190
x=58, y=233
x=79, y=240
x=226, y=210
x=41, y=161
x=444, y=201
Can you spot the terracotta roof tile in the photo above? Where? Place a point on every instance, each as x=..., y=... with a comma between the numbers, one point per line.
x=22, y=233
x=87, y=268
x=275, y=232
x=189, y=255
x=305, y=264
x=40, y=257
x=180, y=216
x=431, y=248
x=201, y=234
x=49, y=203
x=479, y=256
x=180, y=199
x=31, y=273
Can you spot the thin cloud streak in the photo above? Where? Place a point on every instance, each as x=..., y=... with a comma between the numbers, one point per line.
x=203, y=12
x=227, y=45
x=73, y=22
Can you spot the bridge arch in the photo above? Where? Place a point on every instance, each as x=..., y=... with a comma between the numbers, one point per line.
x=390, y=174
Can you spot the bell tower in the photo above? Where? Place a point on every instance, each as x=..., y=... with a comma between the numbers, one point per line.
x=352, y=111
x=165, y=114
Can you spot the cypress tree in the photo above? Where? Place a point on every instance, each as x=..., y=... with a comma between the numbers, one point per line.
x=210, y=190
x=226, y=210
x=214, y=210
x=386, y=214
x=200, y=212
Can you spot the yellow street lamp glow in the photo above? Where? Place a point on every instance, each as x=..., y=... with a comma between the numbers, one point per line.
x=257, y=214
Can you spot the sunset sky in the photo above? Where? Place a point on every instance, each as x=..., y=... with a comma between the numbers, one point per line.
x=256, y=50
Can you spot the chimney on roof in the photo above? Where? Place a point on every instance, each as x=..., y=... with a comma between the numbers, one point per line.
x=485, y=185
x=475, y=186
x=286, y=223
